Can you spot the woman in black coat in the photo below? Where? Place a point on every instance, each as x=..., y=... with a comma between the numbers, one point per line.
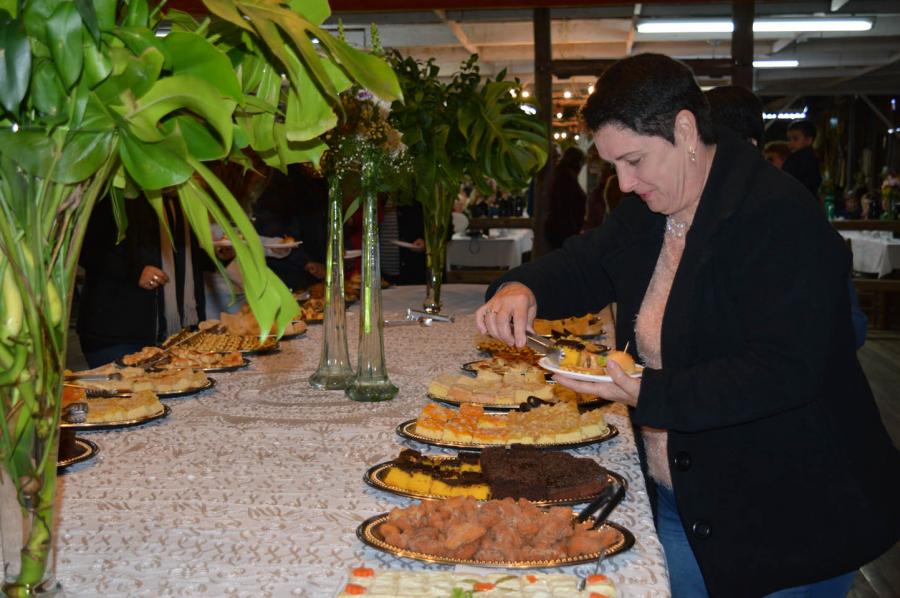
x=121, y=307
x=770, y=468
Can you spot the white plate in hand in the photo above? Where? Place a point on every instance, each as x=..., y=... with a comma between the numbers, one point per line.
x=551, y=364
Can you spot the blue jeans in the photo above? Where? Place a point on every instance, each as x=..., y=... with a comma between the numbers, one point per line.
x=684, y=572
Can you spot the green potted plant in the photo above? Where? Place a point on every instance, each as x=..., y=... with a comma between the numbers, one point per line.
x=468, y=128
x=94, y=104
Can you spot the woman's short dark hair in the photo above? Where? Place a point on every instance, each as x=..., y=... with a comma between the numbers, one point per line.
x=645, y=93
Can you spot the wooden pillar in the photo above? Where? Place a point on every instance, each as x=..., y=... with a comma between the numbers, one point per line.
x=852, y=158
x=543, y=88
x=742, y=12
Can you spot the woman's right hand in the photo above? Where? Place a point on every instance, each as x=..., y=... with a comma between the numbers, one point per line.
x=512, y=303
x=151, y=278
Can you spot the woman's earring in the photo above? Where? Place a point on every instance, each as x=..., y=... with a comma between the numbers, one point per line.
x=692, y=153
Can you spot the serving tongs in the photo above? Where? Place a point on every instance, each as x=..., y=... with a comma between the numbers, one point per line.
x=421, y=318
x=603, y=505
x=545, y=345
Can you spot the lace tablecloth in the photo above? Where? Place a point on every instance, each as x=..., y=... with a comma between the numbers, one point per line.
x=255, y=488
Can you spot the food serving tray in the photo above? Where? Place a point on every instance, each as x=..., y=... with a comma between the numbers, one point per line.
x=210, y=370
x=374, y=477
x=582, y=405
x=552, y=364
x=172, y=394
x=369, y=535
x=86, y=450
x=407, y=430
x=166, y=410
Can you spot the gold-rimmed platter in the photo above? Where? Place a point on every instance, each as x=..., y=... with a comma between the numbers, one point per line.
x=498, y=407
x=374, y=477
x=85, y=427
x=85, y=450
x=407, y=430
x=368, y=534
x=172, y=394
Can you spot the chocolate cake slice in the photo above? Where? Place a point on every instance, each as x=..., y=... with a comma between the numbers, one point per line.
x=525, y=472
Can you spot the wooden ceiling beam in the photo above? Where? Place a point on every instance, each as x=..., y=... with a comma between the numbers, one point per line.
x=708, y=67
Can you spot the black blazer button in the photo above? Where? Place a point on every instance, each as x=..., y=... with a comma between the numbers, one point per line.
x=701, y=529
x=682, y=461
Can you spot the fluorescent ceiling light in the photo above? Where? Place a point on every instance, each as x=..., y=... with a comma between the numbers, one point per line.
x=685, y=27
x=769, y=25
x=790, y=26
x=776, y=64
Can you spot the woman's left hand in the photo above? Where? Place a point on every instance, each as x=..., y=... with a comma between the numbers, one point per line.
x=622, y=389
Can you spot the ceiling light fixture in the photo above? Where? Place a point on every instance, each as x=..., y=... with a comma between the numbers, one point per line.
x=761, y=26
x=525, y=93
x=567, y=94
x=590, y=89
x=559, y=115
x=776, y=64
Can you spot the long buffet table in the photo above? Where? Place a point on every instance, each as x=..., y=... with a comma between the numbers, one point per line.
x=254, y=488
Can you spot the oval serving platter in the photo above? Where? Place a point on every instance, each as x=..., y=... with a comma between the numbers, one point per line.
x=86, y=450
x=407, y=430
x=597, y=402
x=166, y=411
x=374, y=477
x=369, y=535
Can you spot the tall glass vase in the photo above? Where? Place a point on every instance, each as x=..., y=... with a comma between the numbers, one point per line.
x=334, y=371
x=371, y=382
x=437, y=212
x=26, y=533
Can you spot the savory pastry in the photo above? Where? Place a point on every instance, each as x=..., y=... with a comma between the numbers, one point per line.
x=581, y=360
x=547, y=424
x=586, y=325
x=140, y=405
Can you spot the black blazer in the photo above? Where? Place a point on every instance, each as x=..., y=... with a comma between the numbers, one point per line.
x=782, y=469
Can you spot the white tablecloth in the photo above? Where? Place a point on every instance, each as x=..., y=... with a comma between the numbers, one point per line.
x=874, y=252
x=503, y=249
x=254, y=488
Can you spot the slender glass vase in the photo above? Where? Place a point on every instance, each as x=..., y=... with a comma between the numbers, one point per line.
x=334, y=371
x=437, y=215
x=26, y=533
x=371, y=382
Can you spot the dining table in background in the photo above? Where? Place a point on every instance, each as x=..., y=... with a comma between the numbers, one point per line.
x=255, y=488
x=502, y=248
x=874, y=251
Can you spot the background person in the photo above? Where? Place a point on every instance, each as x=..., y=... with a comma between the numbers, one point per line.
x=802, y=163
x=754, y=413
x=776, y=152
x=568, y=201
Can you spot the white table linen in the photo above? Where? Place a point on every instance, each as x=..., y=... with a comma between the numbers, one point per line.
x=502, y=249
x=254, y=488
x=874, y=252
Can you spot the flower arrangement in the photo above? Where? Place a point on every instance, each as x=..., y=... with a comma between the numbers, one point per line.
x=94, y=104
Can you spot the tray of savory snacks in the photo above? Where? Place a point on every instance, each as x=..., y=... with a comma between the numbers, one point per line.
x=545, y=478
x=495, y=533
x=157, y=358
x=497, y=348
x=397, y=583
x=557, y=426
x=504, y=389
x=215, y=340
x=589, y=367
x=80, y=412
x=243, y=323
x=588, y=325
x=112, y=381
